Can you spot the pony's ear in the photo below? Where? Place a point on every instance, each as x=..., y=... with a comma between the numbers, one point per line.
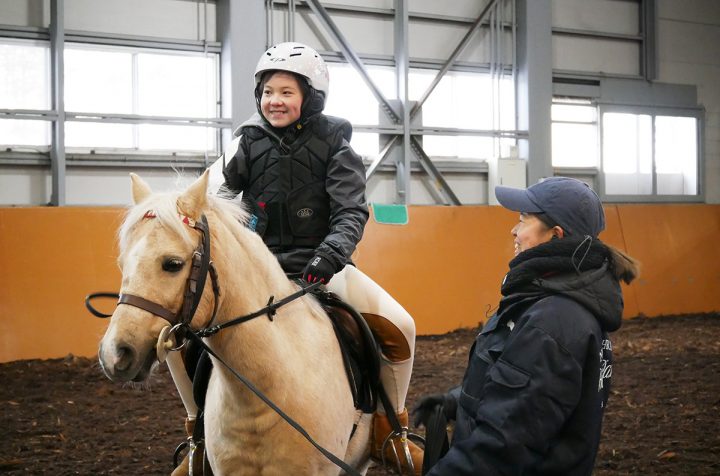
x=192, y=201
x=140, y=189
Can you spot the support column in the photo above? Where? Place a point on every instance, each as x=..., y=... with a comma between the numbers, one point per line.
x=402, y=68
x=534, y=92
x=57, y=75
x=242, y=29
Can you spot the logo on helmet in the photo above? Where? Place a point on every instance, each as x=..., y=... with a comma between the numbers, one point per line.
x=277, y=60
x=304, y=213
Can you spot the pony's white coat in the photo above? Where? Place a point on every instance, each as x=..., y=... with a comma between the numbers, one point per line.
x=295, y=360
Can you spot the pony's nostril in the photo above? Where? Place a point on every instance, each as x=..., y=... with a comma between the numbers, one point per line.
x=126, y=356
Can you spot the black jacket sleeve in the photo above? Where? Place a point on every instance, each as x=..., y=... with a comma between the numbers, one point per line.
x=345, y=185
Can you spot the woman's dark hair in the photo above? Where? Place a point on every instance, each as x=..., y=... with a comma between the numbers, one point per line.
x=545, y=219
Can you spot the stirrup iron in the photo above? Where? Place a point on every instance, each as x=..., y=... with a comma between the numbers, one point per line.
x=192, y=447
x=404, y=436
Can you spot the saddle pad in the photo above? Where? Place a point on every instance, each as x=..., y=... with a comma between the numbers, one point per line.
x=390, y=214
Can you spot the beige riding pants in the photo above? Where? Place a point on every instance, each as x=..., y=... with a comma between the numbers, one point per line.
x=389, y=321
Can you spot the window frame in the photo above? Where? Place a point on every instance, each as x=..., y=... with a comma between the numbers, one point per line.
x=109, y=154
x=653, y=112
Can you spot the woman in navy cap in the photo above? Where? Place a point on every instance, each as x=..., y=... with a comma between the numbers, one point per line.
x=538, y=376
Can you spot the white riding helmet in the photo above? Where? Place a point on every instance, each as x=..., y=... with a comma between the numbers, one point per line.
x=296, y=58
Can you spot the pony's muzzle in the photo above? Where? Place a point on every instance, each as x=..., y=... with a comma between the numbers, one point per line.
x=118, y=361
x=122, y=362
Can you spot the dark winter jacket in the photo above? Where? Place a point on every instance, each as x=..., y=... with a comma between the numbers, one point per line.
x=304, y=186
x=538, y=377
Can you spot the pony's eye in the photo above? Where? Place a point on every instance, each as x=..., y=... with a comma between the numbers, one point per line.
x=172, y=265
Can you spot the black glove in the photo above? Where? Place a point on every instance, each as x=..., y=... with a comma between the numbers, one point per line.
x=320, y=269
x=423, y=410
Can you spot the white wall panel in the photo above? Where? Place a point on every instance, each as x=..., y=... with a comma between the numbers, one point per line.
x=176, y=19
x=384, y=4
x=157, y=18
x=607, y=16
x=366, y=35
x=689, y=53
x=24, y=186
x=689, y=42
x=438, y=41
x=712, y=125
x=704, y=76
x=456, y=8
x=112, y=187
x=25, y=13
x=596, y=56
x=694, y=11
x=712, y=171
x=374, y=36
x=471, y=189
x=27, y=186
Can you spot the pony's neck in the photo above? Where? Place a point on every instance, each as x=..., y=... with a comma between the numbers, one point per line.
x=248, y=275
x=248, y=272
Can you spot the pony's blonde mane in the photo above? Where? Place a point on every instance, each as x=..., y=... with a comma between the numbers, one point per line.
x=164, y=207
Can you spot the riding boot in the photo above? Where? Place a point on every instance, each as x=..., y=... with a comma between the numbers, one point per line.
x=382, y=430
x=183, y=468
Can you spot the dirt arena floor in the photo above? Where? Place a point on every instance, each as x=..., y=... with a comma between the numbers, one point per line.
x=64, y=417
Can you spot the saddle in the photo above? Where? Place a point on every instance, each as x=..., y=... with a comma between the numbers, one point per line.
x=360, y=351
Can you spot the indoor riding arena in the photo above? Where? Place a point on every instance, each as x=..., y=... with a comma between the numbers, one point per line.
x=447, y=101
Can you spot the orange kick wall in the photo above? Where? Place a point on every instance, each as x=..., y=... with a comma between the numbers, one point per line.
x=445, y=267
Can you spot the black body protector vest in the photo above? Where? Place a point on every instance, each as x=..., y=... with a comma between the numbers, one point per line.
x=286, y=181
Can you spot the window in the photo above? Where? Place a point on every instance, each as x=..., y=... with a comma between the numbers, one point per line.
x=574, y=133
x=676, y=155
x=459, y=101
x=133, y=81
x=649, y=154
x=24, y=85
x=106, y=88
x=641, y=152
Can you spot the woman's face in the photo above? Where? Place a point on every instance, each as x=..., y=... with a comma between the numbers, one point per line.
x=281, y=100
x=530, y=232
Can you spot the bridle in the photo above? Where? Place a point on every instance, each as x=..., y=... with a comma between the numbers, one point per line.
x=200, y=267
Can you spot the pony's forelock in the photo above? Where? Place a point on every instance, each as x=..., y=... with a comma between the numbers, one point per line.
x=164, y=208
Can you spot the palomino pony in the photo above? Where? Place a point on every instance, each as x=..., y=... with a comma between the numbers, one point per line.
x=293, y=358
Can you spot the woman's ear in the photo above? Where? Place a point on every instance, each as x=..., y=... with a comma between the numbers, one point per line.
x=558, y=232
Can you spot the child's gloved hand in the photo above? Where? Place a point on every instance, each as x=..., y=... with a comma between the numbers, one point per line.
x=320, y=269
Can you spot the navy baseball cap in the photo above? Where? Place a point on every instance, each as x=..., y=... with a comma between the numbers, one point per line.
x=570, y=203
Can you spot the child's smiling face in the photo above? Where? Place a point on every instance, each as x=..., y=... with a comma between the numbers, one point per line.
x=281, y=99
